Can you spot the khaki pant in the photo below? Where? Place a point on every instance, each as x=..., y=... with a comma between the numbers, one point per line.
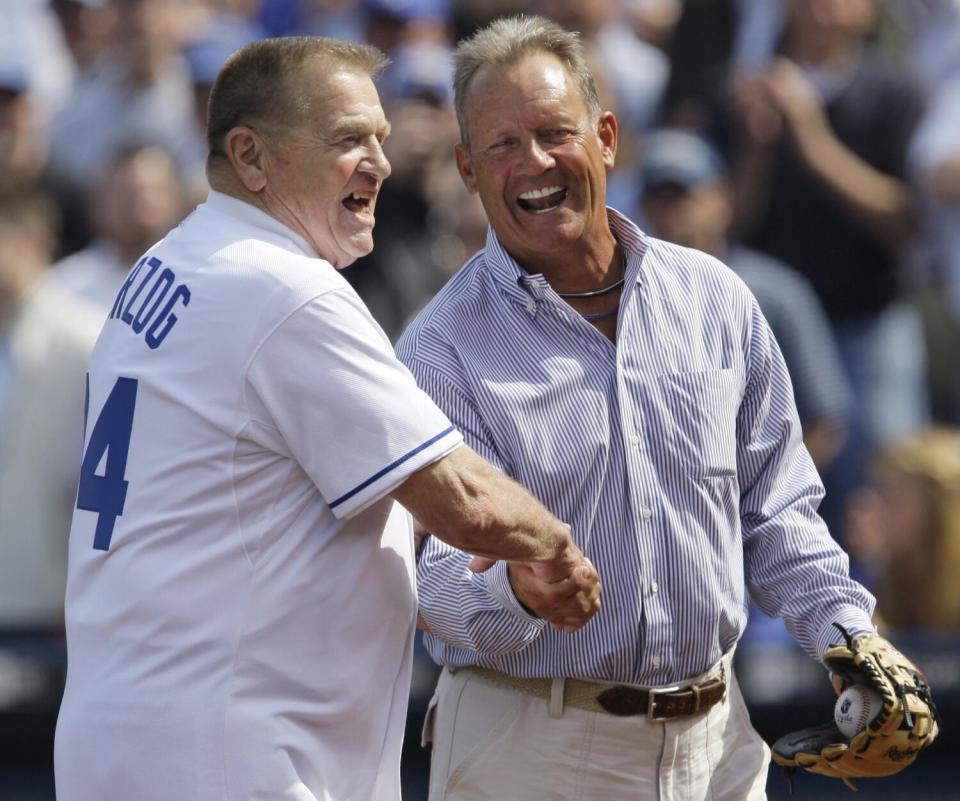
x=494, y=743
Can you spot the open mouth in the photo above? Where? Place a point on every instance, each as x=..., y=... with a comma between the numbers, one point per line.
x=360, y=202
x=540, y=201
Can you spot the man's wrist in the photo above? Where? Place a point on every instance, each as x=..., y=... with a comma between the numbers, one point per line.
x=513, y=587
x=498, y=584
x=853, y=619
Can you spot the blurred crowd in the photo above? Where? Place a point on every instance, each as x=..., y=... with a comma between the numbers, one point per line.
x=810, y=145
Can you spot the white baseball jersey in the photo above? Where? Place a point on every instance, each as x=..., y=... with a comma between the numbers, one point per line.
x=240, y=600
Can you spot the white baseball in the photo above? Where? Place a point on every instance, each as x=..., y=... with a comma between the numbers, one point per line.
x=855, y=708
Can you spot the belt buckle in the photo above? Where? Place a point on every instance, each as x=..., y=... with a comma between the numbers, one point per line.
x=652, y=694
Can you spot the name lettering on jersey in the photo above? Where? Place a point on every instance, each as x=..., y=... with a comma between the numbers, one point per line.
x=150, y=294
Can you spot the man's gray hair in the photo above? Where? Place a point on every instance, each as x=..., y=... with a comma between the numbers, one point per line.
x=505, y=42
x=257, y=82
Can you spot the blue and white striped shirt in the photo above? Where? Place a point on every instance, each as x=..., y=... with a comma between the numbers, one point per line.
x=675, y=454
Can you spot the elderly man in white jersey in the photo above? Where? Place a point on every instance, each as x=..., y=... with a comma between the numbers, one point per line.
x=636, y=388
x=240, y=602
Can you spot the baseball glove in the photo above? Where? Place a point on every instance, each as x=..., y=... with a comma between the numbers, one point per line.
x=891, y=740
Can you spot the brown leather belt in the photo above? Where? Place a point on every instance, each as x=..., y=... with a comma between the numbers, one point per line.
x=620, y=699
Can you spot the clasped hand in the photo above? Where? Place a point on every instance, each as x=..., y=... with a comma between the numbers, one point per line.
x=564, y=591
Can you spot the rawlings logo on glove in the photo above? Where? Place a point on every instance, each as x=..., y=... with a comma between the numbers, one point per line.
x=890, y=741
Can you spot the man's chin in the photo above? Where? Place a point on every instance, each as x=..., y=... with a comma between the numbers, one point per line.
x=348, y=252
x=558, y=229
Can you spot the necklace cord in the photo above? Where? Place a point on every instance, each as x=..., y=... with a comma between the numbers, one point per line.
x=596, y=293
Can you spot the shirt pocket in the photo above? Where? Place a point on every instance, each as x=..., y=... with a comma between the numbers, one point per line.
x=699, y=415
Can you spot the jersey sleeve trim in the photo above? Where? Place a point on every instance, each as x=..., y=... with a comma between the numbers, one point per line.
x=396, y=463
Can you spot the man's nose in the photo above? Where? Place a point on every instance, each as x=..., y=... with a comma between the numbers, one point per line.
x=377, y=163
x=538, y=156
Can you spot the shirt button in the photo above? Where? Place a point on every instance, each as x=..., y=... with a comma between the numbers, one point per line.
x=635, y=439
x=654, y=586
x=531, y=306
x=656, y=661
x=647, y=513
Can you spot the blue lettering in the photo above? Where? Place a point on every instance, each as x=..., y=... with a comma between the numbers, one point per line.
x=126, y=316
x=166, y=318
x=122, y=294
x=146, y=315
x=162, y=285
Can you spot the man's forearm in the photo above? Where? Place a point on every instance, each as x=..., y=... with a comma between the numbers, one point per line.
x=466, y=502
x=881, y=201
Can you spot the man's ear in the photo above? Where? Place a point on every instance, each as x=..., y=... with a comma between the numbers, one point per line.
x=607, y=130
x=245, y=151
x=465, y=166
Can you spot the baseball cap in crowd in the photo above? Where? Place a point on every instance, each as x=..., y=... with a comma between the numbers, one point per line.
x=422, y=70
x=675, y=157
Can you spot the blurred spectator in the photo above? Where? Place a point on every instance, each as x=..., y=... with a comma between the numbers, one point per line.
x=468, y=15
x=24, y=155
x=392, y=23
x=654, y=21
x=419, y=71
x=139, y=91
x=206, y=52
x=30, y=39
x=908, y=526
x=136, y=203
x=233, y=22
x=935, y=163
x=341, y=19
x=87, y=27
x=23, y=152
x=282, y=17
x=711, y=39
x=45, y=339
x=933, y=28
x=820, y=169
x=386, y=24
x=687, y=200
x=636, y=71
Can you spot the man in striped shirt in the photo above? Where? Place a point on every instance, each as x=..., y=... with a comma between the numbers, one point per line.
x=636, y=388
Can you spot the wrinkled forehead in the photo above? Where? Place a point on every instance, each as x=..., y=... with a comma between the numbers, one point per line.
x=533, y=73
x=328, y=97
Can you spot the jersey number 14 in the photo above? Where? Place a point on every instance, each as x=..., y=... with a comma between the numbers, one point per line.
x=106, y=494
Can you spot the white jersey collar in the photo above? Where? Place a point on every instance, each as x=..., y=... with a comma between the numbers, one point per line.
x=248, y=213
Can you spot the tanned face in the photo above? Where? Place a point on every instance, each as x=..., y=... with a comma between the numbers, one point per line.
x=325, y=173
x=537, y=159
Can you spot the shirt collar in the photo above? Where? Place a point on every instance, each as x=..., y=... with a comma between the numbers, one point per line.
x=249, y=214
x=519, y=284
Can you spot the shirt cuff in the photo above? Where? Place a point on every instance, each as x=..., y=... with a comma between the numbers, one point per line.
x=497, y=580
x=853, y=619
